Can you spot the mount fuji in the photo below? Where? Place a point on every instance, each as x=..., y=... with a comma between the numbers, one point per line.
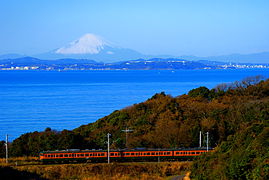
x=94, y=47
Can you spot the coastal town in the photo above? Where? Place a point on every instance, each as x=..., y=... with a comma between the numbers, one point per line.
x=152, y=64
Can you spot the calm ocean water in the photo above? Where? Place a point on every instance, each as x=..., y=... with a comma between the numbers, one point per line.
x=34, y=100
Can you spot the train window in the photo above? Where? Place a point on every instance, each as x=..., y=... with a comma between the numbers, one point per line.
x=102, y=154
x=152, y=153
x=86, y=154
x=127, y=154
x=61, y=155
x=148, y=153
x=168, y=153
x=112, y=154
x=137, y=154
x=82, y=155
x=66, y=155
x=132, y=153
x=48, y=155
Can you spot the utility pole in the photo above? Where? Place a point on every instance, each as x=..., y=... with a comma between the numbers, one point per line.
x=126, y=130
x=200, y=139
x=207, y=135
x=108, y=155
x=7, y=149
x=158, y=155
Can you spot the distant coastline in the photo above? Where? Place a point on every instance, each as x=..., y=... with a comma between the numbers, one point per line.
x=29, y=63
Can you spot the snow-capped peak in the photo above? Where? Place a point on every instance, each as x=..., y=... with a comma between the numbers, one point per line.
x=87, y=44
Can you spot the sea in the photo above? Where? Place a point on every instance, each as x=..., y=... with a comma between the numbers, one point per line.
x=34, y=100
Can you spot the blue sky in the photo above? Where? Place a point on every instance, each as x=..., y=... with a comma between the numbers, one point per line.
x=179, y=27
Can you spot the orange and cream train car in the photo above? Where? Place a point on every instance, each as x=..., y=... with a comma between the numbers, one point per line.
x=76, y=155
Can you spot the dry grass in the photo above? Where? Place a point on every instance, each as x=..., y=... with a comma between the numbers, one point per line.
x=124, y=177
x=19, y=161
x=113, y=171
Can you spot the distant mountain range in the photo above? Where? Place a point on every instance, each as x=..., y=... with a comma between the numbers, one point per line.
x=240, y=58
x=93, y=47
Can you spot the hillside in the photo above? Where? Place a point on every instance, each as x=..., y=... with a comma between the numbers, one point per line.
x=235, y=115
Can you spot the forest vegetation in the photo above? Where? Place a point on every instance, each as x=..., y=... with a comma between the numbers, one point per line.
x=236, y=115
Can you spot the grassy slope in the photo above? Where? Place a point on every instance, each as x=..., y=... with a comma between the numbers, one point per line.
x=101, y=171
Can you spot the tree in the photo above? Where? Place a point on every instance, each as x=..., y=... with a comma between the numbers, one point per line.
x=199, y=92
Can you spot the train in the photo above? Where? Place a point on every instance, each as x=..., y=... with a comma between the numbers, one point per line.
x=124, y=155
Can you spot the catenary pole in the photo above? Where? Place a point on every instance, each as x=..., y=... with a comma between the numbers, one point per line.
x=108, y=154
x=7, y=148
x=126, y=130
x=207, y=134
x=200, y=139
